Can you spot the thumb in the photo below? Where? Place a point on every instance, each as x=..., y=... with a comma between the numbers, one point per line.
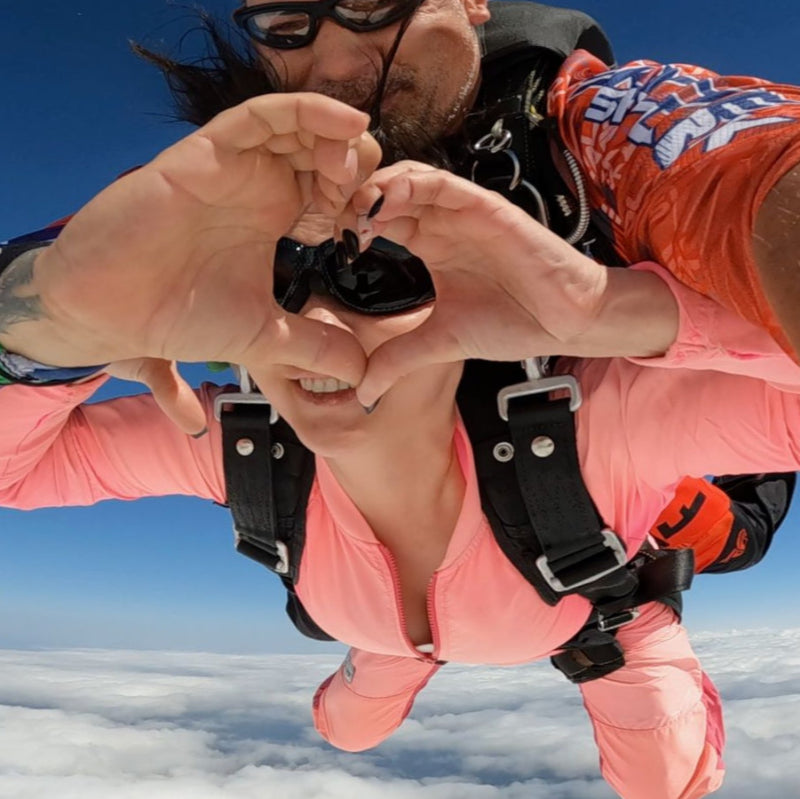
x=429, y=344
x=312, y=346
x=173, y=395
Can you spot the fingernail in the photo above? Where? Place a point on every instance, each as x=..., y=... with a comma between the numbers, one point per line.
x=368, y=409
x=200, y=434
x=351, y=163
x=340, y=254
x=376, y=207
x=350, y=242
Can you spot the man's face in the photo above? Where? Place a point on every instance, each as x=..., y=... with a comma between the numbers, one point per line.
x=432, y=78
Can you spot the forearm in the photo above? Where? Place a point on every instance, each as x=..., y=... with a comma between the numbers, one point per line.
x=776, y=249
x=27, y=327
x=55, y=450
x=713, y=338
x=638, y=316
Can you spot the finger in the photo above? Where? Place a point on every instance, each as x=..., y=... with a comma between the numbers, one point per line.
x=254, y=122
x=174, y=395
x=327, y=195
x=380, y=181
x=426, y=345
x=308, y=344
x=336, y=160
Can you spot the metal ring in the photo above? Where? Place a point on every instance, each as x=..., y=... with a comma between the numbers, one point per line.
x=516, y=177
x=503, y=452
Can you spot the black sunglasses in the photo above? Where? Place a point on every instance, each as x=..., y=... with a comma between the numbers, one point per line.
x=384, y=279
x=288, y=25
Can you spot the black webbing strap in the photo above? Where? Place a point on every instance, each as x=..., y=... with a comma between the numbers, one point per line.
x=540, y=511
x=268, y=503
x=576, y=546
x=594, y=651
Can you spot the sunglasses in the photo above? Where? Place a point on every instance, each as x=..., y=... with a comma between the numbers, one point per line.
x=288, y=25
x=384, y=279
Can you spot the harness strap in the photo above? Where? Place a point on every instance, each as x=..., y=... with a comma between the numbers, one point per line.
x=577, y=549
x=594, y=651
x=269, y=474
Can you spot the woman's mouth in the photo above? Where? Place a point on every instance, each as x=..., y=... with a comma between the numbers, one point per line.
x=325, y=390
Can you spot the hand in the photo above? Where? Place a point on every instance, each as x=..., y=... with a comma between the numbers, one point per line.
x=506, y=287
x=175, y=260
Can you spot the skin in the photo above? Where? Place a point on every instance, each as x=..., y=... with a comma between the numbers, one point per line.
x=776, y=247
x=433, y=77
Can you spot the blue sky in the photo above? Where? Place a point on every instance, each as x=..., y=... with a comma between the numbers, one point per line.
x=78, y=109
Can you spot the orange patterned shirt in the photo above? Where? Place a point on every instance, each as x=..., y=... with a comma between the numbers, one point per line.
x=678, y=161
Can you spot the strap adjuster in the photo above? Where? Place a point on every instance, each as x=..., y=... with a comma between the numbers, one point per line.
x=277, y=562
x=611, y=542
x=614, y=621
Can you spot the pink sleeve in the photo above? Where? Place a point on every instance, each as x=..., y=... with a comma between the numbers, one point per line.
x=712, y=337
x=641, y=430
x=56, y=451
x=367, y=699
x=657, y=721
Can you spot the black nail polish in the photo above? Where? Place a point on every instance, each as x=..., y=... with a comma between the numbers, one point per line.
x=203, y=432
x=350, y=242
x=368, y=409
x=376, y=207
x=340, y=254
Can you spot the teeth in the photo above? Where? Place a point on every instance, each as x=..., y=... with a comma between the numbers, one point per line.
x=323, y=385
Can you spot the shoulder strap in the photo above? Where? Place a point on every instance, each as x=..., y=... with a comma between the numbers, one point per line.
x=268, y=477
x=533, y=493
x=513, y=145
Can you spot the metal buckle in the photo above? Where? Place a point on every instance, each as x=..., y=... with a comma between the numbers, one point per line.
x=239, y=398
x=610, y=541
x=607, y=624
x=282, y=566
x=542, y=385
x=246, y=396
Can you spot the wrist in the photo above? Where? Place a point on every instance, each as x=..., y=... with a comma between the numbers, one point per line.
x=638, y=316
x=18, y=369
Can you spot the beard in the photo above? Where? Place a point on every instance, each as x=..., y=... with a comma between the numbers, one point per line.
x=416, y=130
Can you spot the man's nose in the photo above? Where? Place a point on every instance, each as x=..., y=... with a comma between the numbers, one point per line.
x=341, y=55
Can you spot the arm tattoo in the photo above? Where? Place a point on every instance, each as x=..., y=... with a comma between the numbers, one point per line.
x=18, y=275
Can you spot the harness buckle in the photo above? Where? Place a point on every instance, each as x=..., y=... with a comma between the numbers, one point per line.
x=542, y=385
x=240, y=398
x=616, y=620
x=261, y=555
x=611, y=543
x=247, y=395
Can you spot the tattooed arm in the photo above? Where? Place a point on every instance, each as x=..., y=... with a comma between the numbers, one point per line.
x=16, y=272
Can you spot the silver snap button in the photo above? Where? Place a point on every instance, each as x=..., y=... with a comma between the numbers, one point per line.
x=543, y=446
x=277, y=451
x=245, y=447
x=503, y=452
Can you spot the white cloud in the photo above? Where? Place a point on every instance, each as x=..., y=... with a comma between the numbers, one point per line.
x=156, y=725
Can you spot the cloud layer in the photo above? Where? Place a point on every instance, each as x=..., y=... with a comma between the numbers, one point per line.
x=156, y=725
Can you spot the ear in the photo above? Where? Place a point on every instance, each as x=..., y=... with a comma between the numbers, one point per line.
x=477, y=11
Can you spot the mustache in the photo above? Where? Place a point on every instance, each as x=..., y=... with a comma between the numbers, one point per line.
x=362, y=92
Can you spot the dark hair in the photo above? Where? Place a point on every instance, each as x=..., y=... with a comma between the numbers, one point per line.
x=231, y=72
x=227, y=75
